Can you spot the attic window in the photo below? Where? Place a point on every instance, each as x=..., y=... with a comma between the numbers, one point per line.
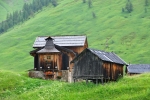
x=48, y=57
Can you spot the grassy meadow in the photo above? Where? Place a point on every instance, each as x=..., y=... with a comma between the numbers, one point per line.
x=21, y=87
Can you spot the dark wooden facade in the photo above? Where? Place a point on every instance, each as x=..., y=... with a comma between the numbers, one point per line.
x=93, y=64
x=52, y=59
x=112, y=70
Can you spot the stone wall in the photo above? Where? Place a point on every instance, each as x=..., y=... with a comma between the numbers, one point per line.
x=36, y=74
x=64, y=75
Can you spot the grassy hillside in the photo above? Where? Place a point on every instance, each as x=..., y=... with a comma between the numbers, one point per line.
x=8, y=6
x=21, y=87
x=126, y=34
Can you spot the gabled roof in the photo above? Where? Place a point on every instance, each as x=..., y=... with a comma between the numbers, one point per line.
x=105, y=56
x=108, y=56
x=61, y=41
x=138, y=68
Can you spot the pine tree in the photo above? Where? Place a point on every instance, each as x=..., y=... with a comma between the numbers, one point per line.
x=90, y=3
x=11, y=20
x=43, y=2
x=122, y=9
x=35, y=6
x=146, y=2
x=8, y=20
x=54, y=3
x=0, y=28
x=27, y=10
x=5, y=26
x=21, y=16
x=15, y=17
x=47, y=2
x=25, y=15
x=129, y=7
x=39, y=4
x=145, y=10
x=84, y=1
x=93, y=14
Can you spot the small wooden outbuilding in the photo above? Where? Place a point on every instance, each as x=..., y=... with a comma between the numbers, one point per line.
x=53, y=55
x=97, y=65
x=133, y=69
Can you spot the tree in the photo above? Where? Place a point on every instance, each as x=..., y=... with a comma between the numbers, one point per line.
x=90, y=3
x=54, y=3
x=47, y=2
x=35, y=5
x=39, y=4
x=145, y=10
x=15, y=17
x=21, y=19
x=146, y=2
x=4, y=26
x=9, y=20
x=93, y=14
x=0, y=27
x=129, y=7
x=27, y=10
x=84, y=1
x=122, y=9
x=43, y=2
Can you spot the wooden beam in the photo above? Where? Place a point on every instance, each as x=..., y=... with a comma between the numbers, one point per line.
x=86, y=81
x=96, y=81
x=74, y=80
x=102, y=81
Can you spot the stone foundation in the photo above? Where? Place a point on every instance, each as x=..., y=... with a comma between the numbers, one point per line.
x=64, y=76
x=36, y=74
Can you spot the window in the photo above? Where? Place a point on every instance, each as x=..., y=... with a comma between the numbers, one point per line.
x=48, y=57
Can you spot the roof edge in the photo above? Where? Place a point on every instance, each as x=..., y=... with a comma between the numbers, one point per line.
x=61, y=35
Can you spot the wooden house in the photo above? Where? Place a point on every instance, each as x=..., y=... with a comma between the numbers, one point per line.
x=52, y=55
x=97, y=65
x=133, y=69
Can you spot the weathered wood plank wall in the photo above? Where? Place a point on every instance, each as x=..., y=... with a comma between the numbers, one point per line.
x=89, y=66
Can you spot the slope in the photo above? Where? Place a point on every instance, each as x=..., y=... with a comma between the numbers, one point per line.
x=23, y=88
x=8, y=6
x=126, y=34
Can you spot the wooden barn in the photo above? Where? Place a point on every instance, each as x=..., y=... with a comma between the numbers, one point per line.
x=52, y=55
x=97, y=65
x=134, y=69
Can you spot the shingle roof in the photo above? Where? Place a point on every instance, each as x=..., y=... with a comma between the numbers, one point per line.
x=108, y=56
x=138, y=68
x=61, y=41
x=105, y=56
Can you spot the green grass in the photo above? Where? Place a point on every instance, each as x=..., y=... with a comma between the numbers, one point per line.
x=21, y=87
x=9, y=6
x=126, y=34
